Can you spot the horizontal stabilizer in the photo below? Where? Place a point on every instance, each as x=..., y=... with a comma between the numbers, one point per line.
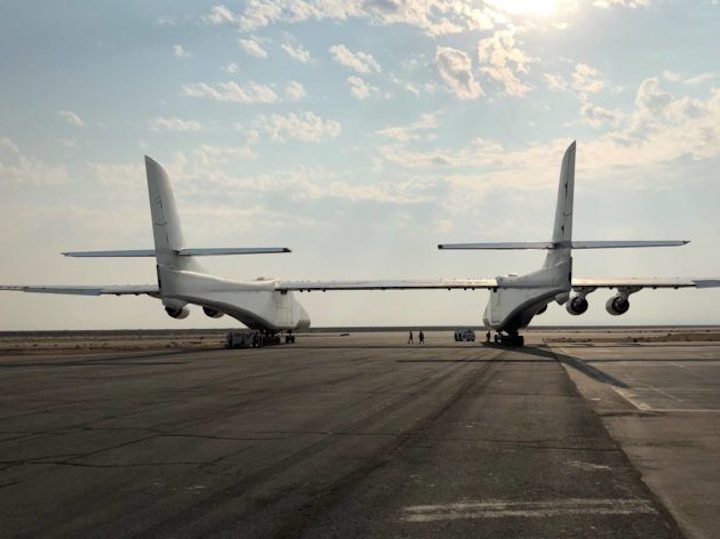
x=627, y=244
x=564, y=245
x=181, y=252
x=499, y=245
x=232, y=251
x=106, y=254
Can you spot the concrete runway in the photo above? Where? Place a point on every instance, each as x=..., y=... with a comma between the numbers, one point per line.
x=360, y=436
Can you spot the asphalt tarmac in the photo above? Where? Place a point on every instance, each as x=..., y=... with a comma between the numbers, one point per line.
x=357, y=436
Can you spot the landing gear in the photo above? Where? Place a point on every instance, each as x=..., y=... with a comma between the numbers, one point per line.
x=249, y=338
x=508, y=339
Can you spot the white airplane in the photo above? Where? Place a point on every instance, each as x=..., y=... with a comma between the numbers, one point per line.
x=269, y=304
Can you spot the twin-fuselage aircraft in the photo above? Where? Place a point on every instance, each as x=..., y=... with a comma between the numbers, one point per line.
x=270, y=304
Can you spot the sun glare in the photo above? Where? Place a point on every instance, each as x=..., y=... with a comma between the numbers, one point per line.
x=539, y=8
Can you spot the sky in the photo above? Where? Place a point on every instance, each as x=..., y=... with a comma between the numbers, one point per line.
x=360, y=134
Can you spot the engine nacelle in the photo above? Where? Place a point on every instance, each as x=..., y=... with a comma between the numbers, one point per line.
x=617, y=305
x=180, y=313
x=577, y=305
x=212, y=313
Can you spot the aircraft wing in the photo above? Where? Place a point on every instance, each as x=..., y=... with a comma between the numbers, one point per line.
x=115, y=290
x=646, y=282
x=418, y=284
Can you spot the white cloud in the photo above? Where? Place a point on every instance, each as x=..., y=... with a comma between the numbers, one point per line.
x=253, y=48
x=358, y=61
x=72, y=118
x=180, y=52
x=119, y=177
x=555, y=82
x=219, y=15
x=671, y=76
x=586, y=80
x=299, y=53
x=434, y=18
x=455, y=68
x=173, y=124
x=500, y=59
x=622, y=3
x=596, y=116
x=250, y=92
x=411, y=131
x=305, y=126
x=699, y=79
x=294, y=91
x=359, y=88
x=659, y=130
x=16, y=167
x=207, y=154
x=230, y=68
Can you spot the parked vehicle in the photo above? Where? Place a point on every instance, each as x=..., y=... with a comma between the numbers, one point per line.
x=464, y=335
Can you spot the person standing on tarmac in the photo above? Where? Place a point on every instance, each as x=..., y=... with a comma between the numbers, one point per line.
x=421, y=337
x=410, y=338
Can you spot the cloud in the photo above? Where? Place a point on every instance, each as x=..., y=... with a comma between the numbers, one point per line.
x=358, y=61
x=586, y=80
x=230, y=68
x=220, y=15
x=411, y=131
x=119, y=177
x=671, y=76
x=180, y=52
x=173, y=124
x=500, y=59
x=253, y=48
x=250, y=92
x=207, y=154
x=455, y=67
x=660, y=129
x=699, y=79
x=294, y=91
x=72, y=118
x=359, y=88
x=304, y=126
x=16, y=167
x=434, y=18
x=298, y=53
x=606, y=4
x=555, y=82
x=597, y=117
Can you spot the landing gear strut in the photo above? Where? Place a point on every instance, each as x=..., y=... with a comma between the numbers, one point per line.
x=509, y=339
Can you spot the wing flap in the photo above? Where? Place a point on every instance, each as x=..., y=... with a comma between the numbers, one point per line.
x=419, y=284
x=646, y=282
x=117, y=290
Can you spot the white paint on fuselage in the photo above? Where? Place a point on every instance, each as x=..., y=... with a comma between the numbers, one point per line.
x=517, y=299
x=257, y=304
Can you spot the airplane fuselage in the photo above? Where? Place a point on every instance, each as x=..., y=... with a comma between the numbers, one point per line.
x=517, y=299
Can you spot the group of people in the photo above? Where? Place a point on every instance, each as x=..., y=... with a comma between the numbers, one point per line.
x=421, y=337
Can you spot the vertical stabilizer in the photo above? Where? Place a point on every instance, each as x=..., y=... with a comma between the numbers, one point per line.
x=167, y=232
x=562, y=228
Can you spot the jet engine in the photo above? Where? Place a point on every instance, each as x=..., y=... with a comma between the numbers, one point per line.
x=577, y=305
x=212, y=313
x=180, y=313
x=617, y=305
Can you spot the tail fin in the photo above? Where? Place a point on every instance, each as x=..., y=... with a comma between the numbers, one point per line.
x=167, y=231
x=562, y=230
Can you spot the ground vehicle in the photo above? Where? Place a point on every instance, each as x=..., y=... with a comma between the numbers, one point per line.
x=464, y=335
